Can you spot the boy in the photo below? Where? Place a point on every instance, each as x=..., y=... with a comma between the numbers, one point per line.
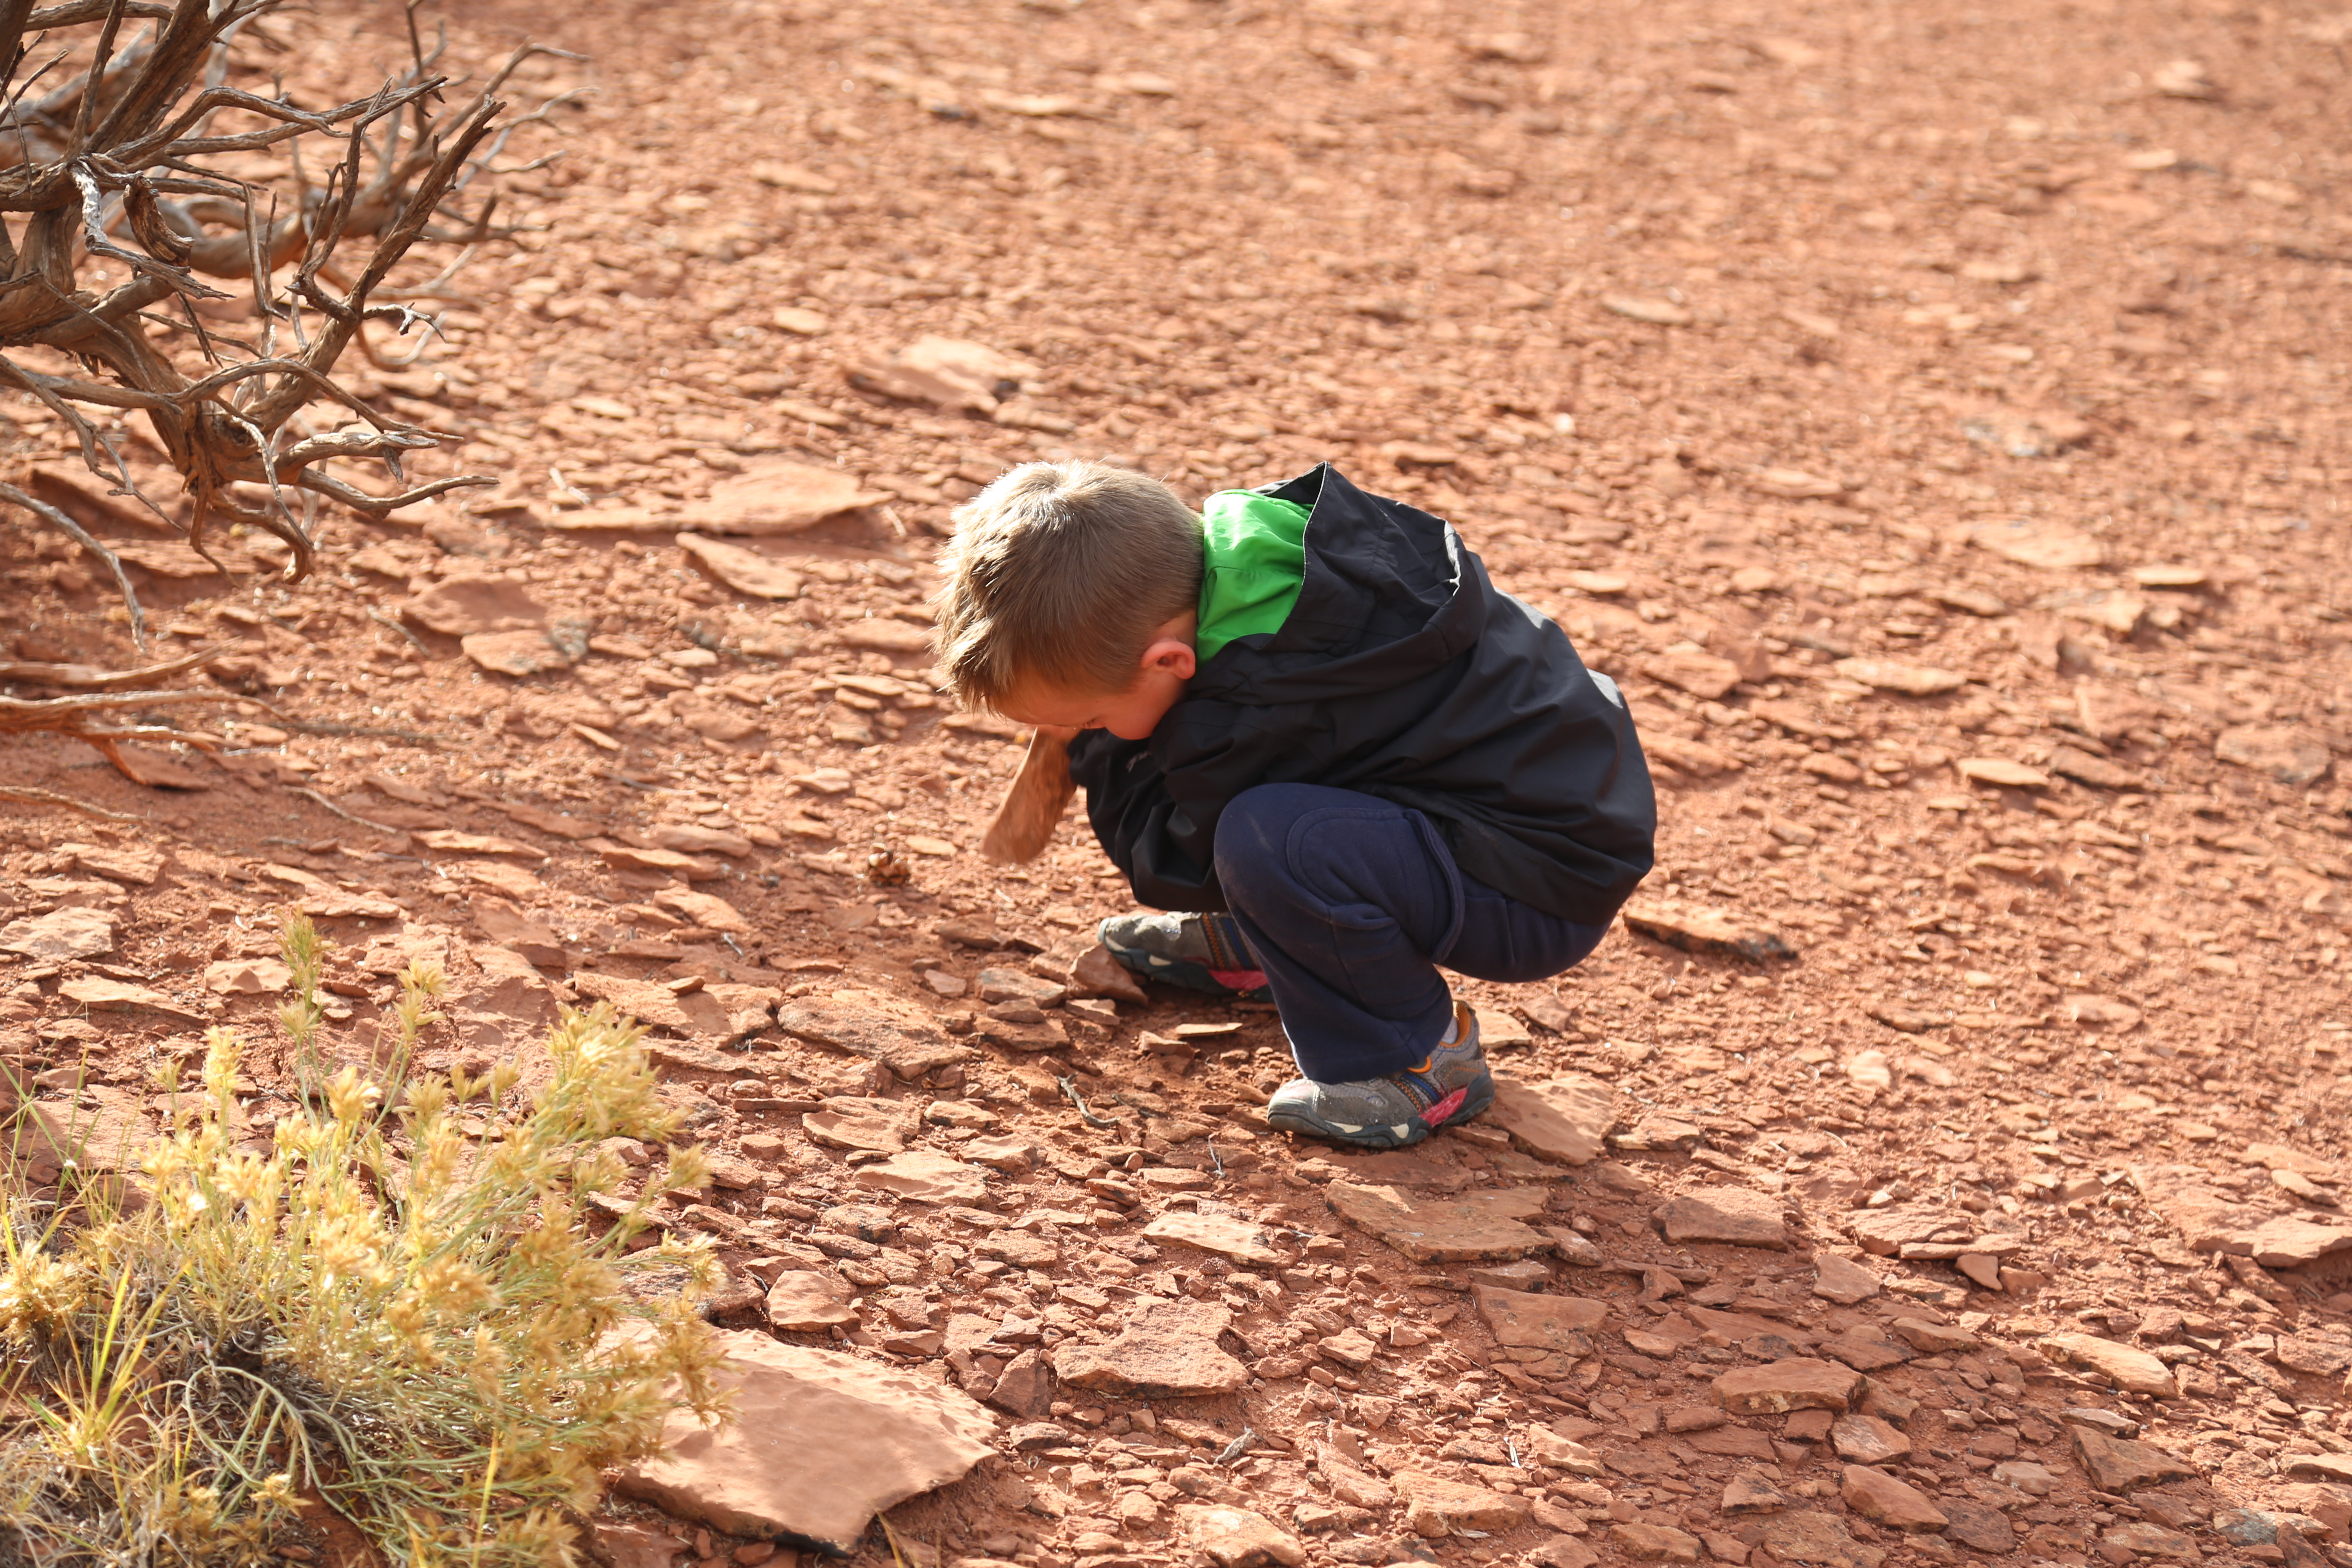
x=1307, y=723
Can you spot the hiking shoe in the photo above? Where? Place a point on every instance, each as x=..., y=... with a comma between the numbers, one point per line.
x=1393, y=1112
x=1200, y=952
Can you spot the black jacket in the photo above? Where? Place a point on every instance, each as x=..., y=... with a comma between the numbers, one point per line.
x=1401, y=672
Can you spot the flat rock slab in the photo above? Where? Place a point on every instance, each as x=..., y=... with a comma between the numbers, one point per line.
x=1233, y=1238
x=746, y=570
x=1237, y=1538
x=1866, y=1440
x=2143, y=1538
x=2051, y=547
x=1979, y=1526
x=2295, y=756
x=1734, y=1442
x=656, y=1007
x=1563, y=1551
x=2337, y=1467
x=869, y=1025
x=100, y=994
x=1655, y=1542
x=1753, y=1494
x=1810, y=1536
x=1468, y=1228
x=770, y=496
x=1098, y=973
x=1564, y=1324
x=1436, y=1508
x=463, y=607
x=116, y=862
x=854, y=1122
x=107, y=1131
x=1709, y=931
x=1562, y=1120
x=1737, y=1326
x=803, y=1302
x=247, y=977
x=2210, y=1220
x=1932, y=1338
x=1168, y=1348
x=1884, y=1232
x=1424, y=1166
x=1842, y=1279
x=1866, y=1347
x=1799, y=1383
x=922, y=1176
x=2121, y=1464
x=520, y=654
x=1732, y=1216
x=1906, y=679
x=821, y=1443
x=1897, y=1505
x=65, y=933
x=2128, y=1367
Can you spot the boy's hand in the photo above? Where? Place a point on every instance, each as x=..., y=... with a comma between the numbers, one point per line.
x=1041, y=792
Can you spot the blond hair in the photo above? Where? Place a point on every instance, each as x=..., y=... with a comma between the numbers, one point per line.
x=1060, y=573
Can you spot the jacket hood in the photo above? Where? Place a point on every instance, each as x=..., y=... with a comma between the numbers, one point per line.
x=1385, y=599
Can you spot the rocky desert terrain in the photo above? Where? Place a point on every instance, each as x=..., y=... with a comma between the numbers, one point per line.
x=1933, y=417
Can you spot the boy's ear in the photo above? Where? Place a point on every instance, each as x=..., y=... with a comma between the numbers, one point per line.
x=1171, y=656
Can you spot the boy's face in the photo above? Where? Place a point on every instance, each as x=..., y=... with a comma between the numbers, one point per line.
x=1160, y=678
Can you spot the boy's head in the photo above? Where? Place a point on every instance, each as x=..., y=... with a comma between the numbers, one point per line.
x=1071, y=594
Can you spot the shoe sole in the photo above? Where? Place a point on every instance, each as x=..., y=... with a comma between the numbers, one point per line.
x=1476, y=1096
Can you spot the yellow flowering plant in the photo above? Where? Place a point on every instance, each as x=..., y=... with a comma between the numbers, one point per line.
x=375, y=1311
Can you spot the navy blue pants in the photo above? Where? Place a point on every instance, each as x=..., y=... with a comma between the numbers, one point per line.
x=1350, y=904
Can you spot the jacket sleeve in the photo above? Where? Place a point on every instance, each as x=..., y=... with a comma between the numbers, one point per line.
x=1167, y=852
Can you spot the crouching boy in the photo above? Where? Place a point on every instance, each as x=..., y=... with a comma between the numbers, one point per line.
x=1312, y=729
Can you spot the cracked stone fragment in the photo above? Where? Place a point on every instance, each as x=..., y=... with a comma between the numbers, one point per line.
x=1427, y=1227
x=100, y=994
x=922, y=1176
x=1237, y=1538
x=746, y=570
x=867, y=1024
x=1884, y=1232
x=820, y=1443
x=119, y=863
x=2127, y=1366
x=1436, y=1508
x=1866, y=1347
x=1236, y=1239
x=1897, y=1505
x=71, y=933
x=2121, y=1464
x=1563, y=1324
x=1167, y=1348
x=805, y=1303
x=1842, y=1279
x=1732, y=1216
x=1798, y=1384
x=2145, y=1537
x=1706, y=931
x=1562, y=1120
x=1808, y=1536
x=1979, y=1525
x=854, y=1123
x=1867, y=1440
x=1906, y=679
x=1655, y=1542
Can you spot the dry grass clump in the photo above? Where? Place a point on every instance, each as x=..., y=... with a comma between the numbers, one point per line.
x=378, y=1313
